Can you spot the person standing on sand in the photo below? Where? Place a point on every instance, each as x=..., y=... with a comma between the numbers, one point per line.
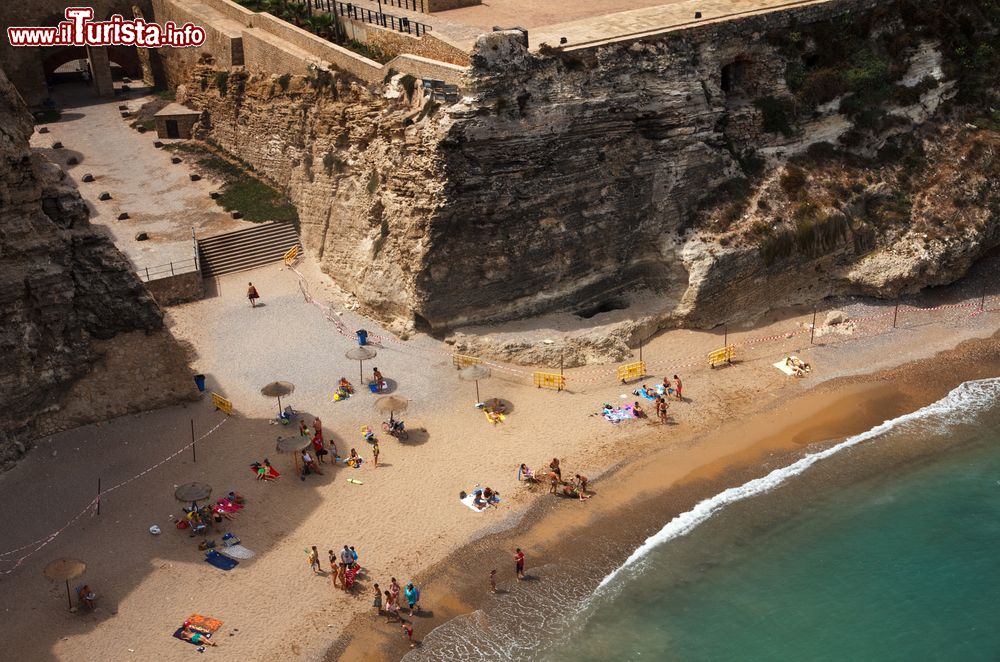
x=519, y=564
x=318, y=426
x=493, y=580
x=313, y=557
x=377, y=603
x=677, y=387
x=303, y=430
x=394, y=590
x=661, y=410
x=333, y=565
x=375, y=452
x=391, y=608
x=408, y=633
x=412, y=597
x=252, y=295
x=554, y=466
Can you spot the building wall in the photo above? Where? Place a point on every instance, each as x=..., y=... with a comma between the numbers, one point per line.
x=174, y=290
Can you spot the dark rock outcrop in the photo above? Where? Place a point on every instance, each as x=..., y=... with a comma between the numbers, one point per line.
x=67, y=296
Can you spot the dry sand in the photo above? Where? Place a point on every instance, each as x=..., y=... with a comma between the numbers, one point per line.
x=403, y=519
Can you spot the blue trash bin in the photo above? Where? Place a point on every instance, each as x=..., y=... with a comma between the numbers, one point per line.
x=362, y=337
x=200, y=381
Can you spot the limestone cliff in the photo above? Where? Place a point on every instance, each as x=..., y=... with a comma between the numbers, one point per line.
x=70, y=305
x=710, y=168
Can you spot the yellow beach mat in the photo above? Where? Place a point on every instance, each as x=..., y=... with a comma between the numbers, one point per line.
x=494, y=420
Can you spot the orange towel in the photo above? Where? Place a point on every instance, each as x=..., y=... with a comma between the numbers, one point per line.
x=203, y=623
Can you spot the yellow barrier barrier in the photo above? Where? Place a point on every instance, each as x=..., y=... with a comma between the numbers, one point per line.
x=292, y=255
x=462, y=361
x=548, y=380
x=222, y=404
x=631, y=371
x=719, y=356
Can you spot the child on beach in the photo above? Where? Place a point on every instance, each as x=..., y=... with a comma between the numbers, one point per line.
x=377, y=603
x=375, y=451
x=519, y=564
x=408, y=632
x=313, y=557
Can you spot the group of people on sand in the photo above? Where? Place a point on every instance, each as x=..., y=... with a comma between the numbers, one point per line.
x=575, y=487
x=387, y=603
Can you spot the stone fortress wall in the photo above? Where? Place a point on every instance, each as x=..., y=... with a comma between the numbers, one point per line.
x=571, y=179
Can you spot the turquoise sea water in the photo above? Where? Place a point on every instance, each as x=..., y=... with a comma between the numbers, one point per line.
x=903, y=565
x=884, y=546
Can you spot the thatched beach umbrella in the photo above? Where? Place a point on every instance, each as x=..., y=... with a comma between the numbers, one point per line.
x=391, y=404
x=276, y=390
x=474, y=373
x=193, y=492
x=293, y=445
x=65, y=570
x=361, y=354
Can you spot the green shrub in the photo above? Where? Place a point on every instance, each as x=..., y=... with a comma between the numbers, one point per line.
x=222, y=82
x=793, y=181
x=777, y=114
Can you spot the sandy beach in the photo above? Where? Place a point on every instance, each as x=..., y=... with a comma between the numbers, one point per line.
x=405, y=519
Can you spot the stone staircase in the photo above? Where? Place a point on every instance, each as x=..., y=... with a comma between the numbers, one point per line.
x=246, y=249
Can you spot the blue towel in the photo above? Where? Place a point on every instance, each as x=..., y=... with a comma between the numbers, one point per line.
x=219, y=561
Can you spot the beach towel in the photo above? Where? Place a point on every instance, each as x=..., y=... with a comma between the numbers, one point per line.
x=177, y=634
x=203, y=623
x=783, y=367
x=619, y=414
x=219, y=561
x=469, y=501
x=232, y=548
x=499, y=418
x=639, y=391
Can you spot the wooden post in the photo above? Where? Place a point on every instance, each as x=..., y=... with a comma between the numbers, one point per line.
x=640, y=349
x=68, y=596
x=98, y=495
x=812, y=331
x=725, y=332
x=895, y=313
x=194, y=453
x=982, y=299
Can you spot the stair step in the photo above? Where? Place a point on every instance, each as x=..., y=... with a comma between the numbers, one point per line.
x=246, y=249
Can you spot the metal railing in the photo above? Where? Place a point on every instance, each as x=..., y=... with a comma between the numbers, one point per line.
x=387, y=21
x=147, y=274
x=411, y=5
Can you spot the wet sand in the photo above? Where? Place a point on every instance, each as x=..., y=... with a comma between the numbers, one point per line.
x=639, y=498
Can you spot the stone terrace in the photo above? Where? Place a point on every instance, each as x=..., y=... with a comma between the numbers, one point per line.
x=583, y=22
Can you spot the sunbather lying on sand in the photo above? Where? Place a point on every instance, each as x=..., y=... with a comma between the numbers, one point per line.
x=798, y=365
x=525, y=473
x=196, y=637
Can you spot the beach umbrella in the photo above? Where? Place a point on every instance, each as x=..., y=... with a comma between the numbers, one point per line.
x=293, y=445
x=65, y=570
x=276, y=390
x=193, y=492
x=361, y=354
x=391, y=404
x=474, y=373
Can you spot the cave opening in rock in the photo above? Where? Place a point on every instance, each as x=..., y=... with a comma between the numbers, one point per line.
x=734, y=76
x=605, y=306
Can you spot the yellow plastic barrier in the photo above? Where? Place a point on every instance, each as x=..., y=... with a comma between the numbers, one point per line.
x=292, y=255
x=720, y=356
x=222, y=404
x=631, y=371
x=462, y=361
x=548, y=380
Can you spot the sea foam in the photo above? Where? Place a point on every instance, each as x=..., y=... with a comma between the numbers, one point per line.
x=956, y=407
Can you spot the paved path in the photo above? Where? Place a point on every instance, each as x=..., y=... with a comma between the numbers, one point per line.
x=158, y=196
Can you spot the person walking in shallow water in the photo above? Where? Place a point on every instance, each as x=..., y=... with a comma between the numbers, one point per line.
x=519, y=564
x=252, y=295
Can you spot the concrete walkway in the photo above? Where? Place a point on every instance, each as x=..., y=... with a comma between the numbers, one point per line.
x=158, y=196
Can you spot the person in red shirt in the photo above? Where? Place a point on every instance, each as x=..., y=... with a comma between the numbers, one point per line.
x=519, y=564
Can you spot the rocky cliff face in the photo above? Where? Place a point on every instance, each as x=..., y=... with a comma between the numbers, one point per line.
x=69, y=304
x=710, y=168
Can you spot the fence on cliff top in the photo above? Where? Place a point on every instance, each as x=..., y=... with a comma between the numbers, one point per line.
x=376, y=18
